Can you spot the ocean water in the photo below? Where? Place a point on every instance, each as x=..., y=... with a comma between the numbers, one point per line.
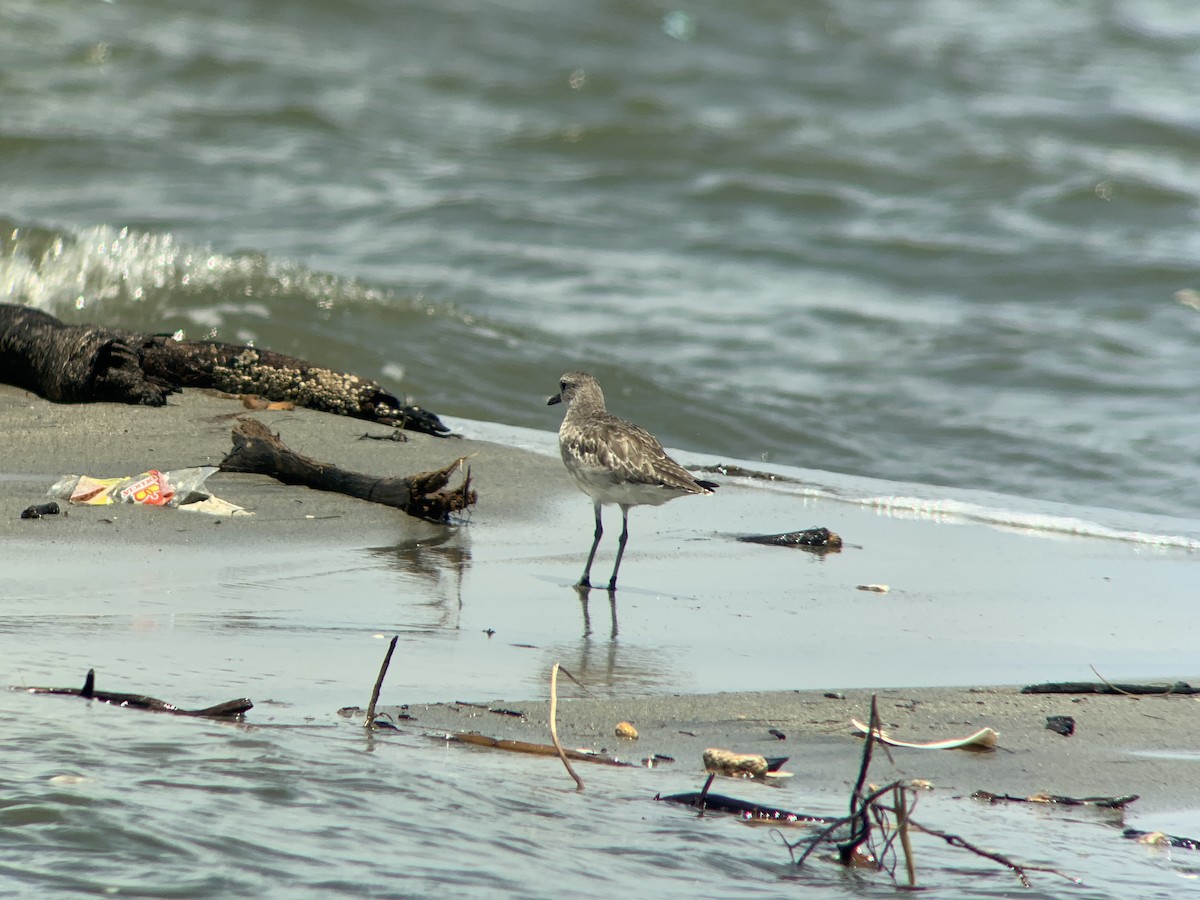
x=953, y=247
x=920, y=242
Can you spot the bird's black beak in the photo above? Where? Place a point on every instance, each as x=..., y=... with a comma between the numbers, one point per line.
x=557, y=398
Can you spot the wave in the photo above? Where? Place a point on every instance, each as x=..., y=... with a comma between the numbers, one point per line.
x=58, y=270
x=902, y=500
x=1023, y=514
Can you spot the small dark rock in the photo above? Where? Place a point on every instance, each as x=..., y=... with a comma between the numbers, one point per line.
x=815, y=539
x=39, y=510
x=1064, y=725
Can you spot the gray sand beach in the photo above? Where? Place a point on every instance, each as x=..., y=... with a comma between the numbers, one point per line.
x=710, y=642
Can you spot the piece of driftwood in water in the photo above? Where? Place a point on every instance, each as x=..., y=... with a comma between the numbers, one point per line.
x=90, y=363
x=230, y=709
x=1159, y=838
x=1089, y=687
x=707, y=802
x=258, y=451
x=483, y=740
x=820, y=540
x=1058, y=800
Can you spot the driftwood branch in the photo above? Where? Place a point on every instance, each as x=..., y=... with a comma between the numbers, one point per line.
x=90, y=363
x=73, y=363
x=858, y=806
x=258, y=451
x=1118, y=802
x=231, y=709
x=865, y=807
x=482, y=740
x=1018, y=869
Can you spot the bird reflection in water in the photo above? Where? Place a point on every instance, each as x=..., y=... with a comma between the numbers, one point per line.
x=584, y=592
x=439, y=561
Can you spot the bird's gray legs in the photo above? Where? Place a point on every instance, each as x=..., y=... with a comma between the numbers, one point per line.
x=612, y=582
x=585, y=581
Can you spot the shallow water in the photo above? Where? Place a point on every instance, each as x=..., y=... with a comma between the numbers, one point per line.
x=299, y=802
x=110, y=801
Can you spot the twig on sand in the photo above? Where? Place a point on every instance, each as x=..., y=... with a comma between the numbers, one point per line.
x=901, y=800
x=1110, y=684
x=370, y=723
x=554, y=725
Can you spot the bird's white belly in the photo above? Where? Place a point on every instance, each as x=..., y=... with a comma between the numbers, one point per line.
x=600, y=485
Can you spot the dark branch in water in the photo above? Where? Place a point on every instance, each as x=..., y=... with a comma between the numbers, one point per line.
x=230, y=709
x=864, y=808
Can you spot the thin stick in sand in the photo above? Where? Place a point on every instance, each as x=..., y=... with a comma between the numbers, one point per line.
x=902, y=810
x=370, y=723
x=554, y=727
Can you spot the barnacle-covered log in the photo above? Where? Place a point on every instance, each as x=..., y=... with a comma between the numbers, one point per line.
x=88, y=363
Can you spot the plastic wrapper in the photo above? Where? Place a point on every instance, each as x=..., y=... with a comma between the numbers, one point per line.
x=152, y=488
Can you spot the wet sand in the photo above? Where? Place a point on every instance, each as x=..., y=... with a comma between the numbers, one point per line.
x=1121, y=745
x=708, y=636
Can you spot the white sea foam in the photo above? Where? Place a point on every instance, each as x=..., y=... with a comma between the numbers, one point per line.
x=902, y=501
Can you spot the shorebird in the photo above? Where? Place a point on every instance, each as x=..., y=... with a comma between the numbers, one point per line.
x=614, y=461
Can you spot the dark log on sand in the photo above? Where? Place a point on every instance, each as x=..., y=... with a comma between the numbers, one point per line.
x=230, y=709
x=90, y=363
x=258, y=451
x=73, y=363
x=1089, y=687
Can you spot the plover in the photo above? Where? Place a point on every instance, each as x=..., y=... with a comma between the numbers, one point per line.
x=614, y=461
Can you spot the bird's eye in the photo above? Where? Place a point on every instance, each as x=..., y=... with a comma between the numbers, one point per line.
x=562, y=386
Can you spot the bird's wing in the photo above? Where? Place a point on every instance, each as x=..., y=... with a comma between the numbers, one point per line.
x=632, y=454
